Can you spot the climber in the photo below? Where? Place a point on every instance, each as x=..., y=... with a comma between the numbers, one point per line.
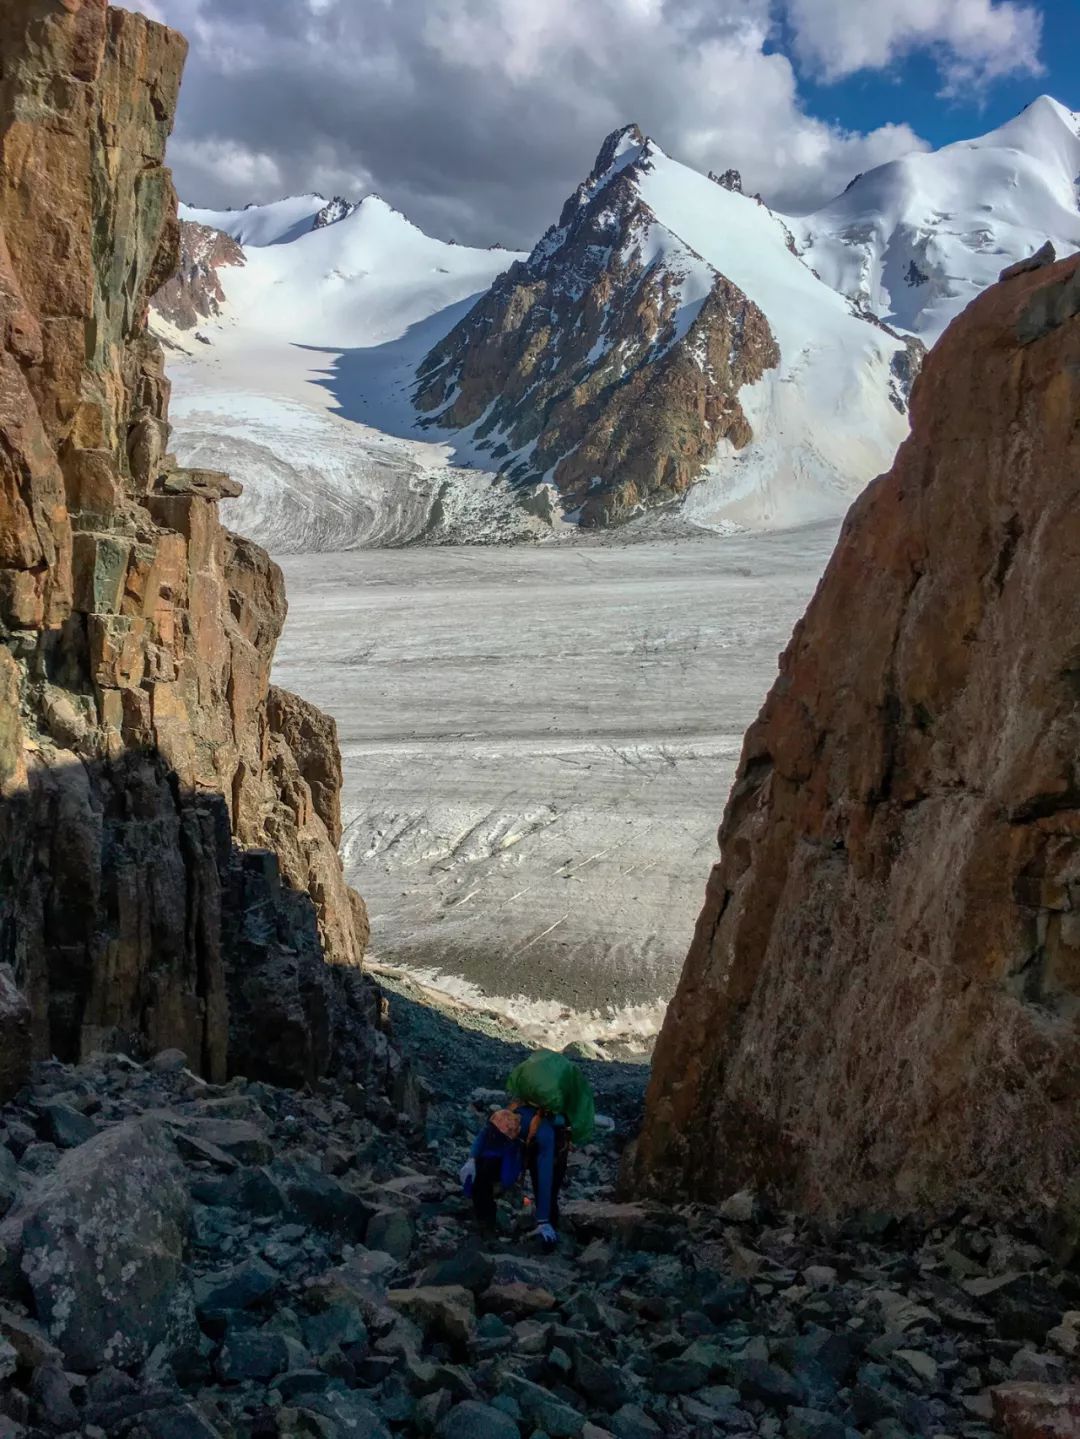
x=551, y=1106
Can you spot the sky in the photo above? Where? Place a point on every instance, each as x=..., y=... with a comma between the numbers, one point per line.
x=478, y=117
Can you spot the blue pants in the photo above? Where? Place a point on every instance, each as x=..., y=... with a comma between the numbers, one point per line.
x=547, y=1157
x=548, y=1154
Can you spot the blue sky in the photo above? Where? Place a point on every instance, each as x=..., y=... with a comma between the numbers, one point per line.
x=910, y=89
x=478, y=117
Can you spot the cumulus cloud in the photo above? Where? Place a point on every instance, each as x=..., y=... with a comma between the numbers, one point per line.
x=973, y=41
x=477, y=117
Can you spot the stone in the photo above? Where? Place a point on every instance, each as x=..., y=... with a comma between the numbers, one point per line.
x=169, y=1061
x=1037, y=1411
x=9, y=1180
x=101, y=1239
x=1044, y=255
x=471, y=1420
x=337, y=1324
x=181, y=1421
x=239, y=1287
x=631, y=1422
x=15, y=1040
x=390, y=1230
x=542, y=1409
x=241, y=1141
x=1065, y=1336
x=813, y=1424
x=63, y=1126
x=447, y=1310
x=738, y=1208
x=900, y=829
x=322, y=1202
x=517, y=1297
x=251, y=1354
x=600, y=1381
x=919, y=1363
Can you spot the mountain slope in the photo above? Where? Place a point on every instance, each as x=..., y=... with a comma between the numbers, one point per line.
x=275, y=224
x=329, y=460
x=663, y=331
x=915, y=240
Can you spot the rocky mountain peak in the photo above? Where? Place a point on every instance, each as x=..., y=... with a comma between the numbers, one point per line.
x=608, y=365
x=620, y=148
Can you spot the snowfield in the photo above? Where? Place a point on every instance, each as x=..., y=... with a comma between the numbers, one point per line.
x=263, y=400
x=538, y=744
x=915, y=240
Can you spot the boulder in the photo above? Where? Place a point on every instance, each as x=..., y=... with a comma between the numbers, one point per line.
x=1038, y=1411
x=471, y=1420
x=101, y=1241
x=447, y=1310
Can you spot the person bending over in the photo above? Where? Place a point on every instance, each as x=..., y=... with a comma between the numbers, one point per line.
x=551, y=1106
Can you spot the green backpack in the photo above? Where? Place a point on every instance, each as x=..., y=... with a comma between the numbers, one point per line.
x=555, y=1084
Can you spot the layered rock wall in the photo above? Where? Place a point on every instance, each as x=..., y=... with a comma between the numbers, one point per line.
x=881, y=1005
x=141, y=758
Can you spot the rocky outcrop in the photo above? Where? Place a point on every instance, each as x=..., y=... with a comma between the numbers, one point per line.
x=195, y=292
x=334, y=210
x=608, y=364
x=881, y=1005
x=146, y=779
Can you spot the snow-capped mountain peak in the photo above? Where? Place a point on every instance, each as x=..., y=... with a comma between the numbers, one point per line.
x=663, y=330
x=916, y=239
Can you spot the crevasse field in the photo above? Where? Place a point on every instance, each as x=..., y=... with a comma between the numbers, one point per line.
x=538, y=743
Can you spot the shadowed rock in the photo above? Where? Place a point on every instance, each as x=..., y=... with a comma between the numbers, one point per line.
x=881, y=1005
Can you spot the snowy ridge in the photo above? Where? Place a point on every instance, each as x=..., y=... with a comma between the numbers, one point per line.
x=917, y=239
x=328, y=457
x=646, y=241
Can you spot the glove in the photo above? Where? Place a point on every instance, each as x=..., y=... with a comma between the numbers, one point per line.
x=468, y=1172
x=546, y=1235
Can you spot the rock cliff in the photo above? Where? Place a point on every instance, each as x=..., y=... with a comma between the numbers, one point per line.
x=195, y=292
x=881, y=1005
x=168, y=822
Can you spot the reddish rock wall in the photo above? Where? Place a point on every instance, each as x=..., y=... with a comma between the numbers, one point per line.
x=140, y=756
x=882, y=1001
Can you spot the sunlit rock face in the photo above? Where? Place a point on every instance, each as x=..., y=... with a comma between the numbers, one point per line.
x=142, y=757
x=196, y=291
x=881, y=1005
x=611, y=360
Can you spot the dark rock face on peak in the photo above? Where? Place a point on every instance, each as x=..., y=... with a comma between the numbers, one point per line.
x=195, y=292
x=609, y=364
x=336, y=209
x=881, y=1005
x=730, y=179
x=165, y=854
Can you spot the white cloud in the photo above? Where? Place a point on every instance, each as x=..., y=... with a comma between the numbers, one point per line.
x=973, y=41
x=477, y=117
